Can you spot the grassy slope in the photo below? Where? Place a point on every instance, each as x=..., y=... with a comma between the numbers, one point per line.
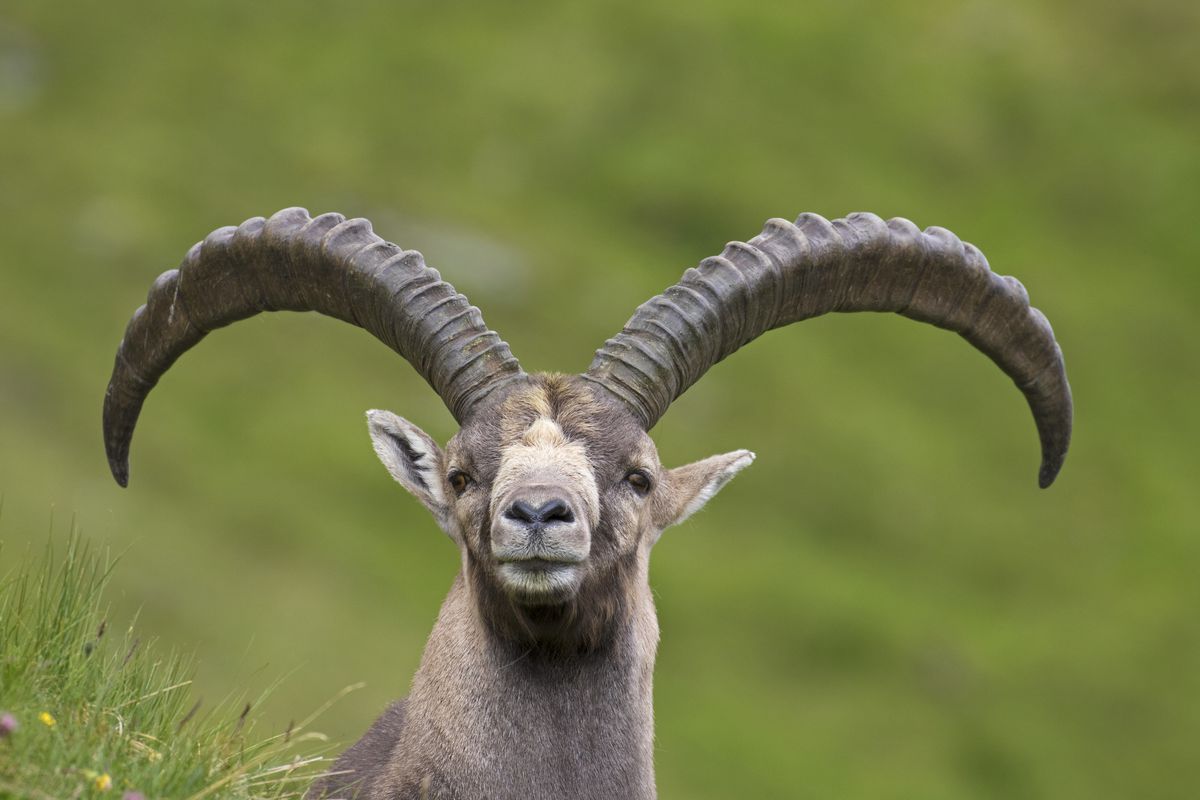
x=88, y=711
x=884, y=606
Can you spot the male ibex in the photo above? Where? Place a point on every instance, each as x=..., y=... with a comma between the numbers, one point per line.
x=536, y=681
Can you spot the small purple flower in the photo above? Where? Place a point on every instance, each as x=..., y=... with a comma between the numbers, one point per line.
x=133, y=796
x=8, y=724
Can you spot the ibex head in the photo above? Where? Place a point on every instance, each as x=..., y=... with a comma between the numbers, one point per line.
x=554, y=494
x=552, y=489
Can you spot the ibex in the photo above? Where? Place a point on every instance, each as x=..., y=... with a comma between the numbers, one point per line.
x=536, y=680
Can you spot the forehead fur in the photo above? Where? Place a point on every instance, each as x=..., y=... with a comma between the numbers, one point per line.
x=561, y=398
x=524, y=413
x=544, y=432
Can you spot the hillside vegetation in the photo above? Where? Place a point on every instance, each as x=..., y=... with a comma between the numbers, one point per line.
x=86, y=711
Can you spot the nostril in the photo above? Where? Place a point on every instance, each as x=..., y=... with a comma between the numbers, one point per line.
x=522, y=512
x=556, y=511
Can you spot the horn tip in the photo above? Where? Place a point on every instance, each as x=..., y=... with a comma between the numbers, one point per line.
x=118, y=431
x=1049, y=472
x=120, y=472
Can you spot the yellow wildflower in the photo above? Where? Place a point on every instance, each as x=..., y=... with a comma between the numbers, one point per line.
x=103, y=782
x=47, y=719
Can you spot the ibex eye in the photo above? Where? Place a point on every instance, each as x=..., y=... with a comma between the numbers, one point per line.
x=639, y=480
x=459, y=481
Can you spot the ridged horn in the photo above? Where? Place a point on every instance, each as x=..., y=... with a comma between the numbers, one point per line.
x=294, y=262
x=792, y=272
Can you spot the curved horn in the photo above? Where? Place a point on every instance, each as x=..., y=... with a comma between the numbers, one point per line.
x=327, y=264
x=794, y=272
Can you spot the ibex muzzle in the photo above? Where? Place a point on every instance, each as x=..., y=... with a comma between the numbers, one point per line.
x=537, y=678
x=544, y=504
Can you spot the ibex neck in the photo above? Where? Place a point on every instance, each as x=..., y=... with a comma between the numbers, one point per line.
x=490, y=718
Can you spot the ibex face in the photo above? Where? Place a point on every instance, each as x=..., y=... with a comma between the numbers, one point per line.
x=536, y=681
x=554, y=495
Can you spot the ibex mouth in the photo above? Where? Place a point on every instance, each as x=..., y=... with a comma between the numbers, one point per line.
x=540, y=554
x=538, y=563
x=539, y=579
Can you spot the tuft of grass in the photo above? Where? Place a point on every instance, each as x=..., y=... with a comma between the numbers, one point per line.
x=86, y=713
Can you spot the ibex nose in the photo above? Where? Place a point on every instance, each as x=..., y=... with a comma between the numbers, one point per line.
x=554, y=510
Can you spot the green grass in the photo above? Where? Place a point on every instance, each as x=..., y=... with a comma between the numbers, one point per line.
x=90, y=711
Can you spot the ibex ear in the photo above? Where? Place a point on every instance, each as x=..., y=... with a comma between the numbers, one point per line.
x=412, y=458
x=688, y=488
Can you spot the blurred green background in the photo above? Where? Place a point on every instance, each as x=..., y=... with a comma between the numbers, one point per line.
x=883, y=607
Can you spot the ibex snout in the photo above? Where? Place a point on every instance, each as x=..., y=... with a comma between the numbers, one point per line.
x=540, y=542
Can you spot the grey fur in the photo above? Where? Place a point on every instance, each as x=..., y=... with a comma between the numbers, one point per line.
x=509, y=720
x=540, y=685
